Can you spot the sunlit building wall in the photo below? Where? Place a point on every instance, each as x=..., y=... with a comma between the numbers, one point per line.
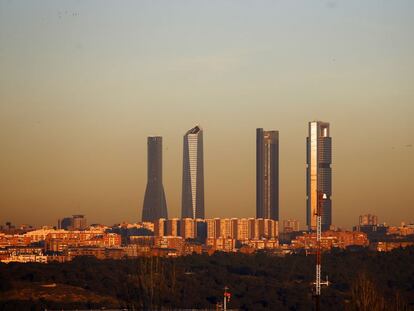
x=258, y=228
x=271, y=228
x=243, y=229
x=188, y=228
x=213, y=228
x=233, y=227
x=290, y=225
x=368, y=220
x=252, y=228
x=225, y=228
x=172, y=227
x=159, y=227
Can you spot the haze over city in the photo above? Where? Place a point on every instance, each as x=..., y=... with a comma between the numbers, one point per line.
x=82, y=85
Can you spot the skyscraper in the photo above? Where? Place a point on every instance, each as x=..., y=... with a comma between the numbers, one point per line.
x=155, y=206
x=193, y=174
x=267, y=174
x=318, y=174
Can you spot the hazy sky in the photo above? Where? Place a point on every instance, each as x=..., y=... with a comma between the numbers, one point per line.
x=83, y=83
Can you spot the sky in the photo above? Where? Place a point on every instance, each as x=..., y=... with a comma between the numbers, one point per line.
x=83, y=83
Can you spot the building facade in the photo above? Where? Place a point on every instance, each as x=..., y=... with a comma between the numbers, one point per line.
x=368, y=220
x=65, y=223
x=188, y=228
x=318, y=174
x=172, y=227
x=79, y=222
x=76, y=222
x=290, y=225
x=193, y=174
x=267, y=174
x=155, y=205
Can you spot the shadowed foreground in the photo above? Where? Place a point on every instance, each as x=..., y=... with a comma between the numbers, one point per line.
x=360, y=281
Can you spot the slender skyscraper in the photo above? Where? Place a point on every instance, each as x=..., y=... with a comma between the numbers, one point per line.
x=318, y=174
x=193, y=174
x=155, y=206
x=267, y=174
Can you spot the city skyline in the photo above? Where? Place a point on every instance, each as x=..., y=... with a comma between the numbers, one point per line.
x=184, y=155
x=318, y=138
x=80, y=92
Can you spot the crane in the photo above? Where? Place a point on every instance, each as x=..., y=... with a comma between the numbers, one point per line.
x=318, y=283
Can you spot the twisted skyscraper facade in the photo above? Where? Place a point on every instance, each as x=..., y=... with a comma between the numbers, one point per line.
x=318, y=174
x=155, y=206
x=267, y=174
x=193, y=174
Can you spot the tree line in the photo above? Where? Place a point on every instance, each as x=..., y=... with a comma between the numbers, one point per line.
x=360, y=281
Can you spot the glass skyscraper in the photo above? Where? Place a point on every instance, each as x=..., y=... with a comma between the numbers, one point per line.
x=318, y=174
x=193, y=174
x=155, y=206
x=267, y=174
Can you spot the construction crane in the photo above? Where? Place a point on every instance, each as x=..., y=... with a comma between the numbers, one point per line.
x=318, y=283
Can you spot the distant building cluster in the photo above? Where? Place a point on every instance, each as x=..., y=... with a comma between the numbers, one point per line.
x=331, y=239
x=46, y=245
x=318, y=176
x=368, y=220
x=76, y=222
x=158, y=235
x=180, y=237
x=220, y=234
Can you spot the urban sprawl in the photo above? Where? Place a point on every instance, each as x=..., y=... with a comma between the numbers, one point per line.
x=158, y=235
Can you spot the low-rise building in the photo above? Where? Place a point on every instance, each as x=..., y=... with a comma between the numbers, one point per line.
x=14, y=240
x=23, y=254
x=330, y=239
x=170, y=242
x=257, y=244
x=389, y=245
x=222, y=244
x=25, y=258
x=192, y=248
x=402, y=230
x=135, y=250
x=58, y=242
x=165, y=252
x=142, y=240
x=290, y=225
x=242, y=228
x=368, y=220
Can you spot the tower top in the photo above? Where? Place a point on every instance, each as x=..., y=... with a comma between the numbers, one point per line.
x=195, y=130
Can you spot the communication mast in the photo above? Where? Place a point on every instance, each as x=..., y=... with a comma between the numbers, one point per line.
x=318, y=282
x=226, y=298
